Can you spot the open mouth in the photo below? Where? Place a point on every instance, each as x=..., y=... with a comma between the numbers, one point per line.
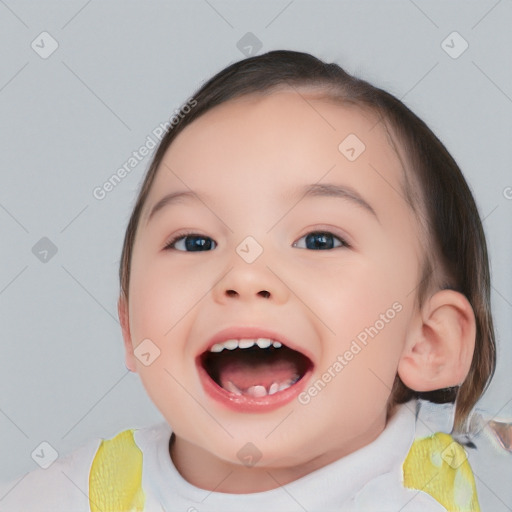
x=253, y=371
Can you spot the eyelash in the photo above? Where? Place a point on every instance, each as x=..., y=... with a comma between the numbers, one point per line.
x=343, y=243
x=170, y=243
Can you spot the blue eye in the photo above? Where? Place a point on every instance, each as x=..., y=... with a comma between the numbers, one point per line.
x=191, y=243
x=320, y=240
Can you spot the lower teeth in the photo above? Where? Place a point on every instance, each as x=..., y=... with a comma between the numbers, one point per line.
x=259, y=391
x=274, y=388
x=232, y=388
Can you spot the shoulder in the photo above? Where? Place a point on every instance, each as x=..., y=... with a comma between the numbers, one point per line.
x=431, y=472
x=436, y=463
x=439, y=465
x=62, y=487
x=119, y=472
x=65, y=485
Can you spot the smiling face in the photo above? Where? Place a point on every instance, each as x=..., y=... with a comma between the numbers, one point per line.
x=258, y=226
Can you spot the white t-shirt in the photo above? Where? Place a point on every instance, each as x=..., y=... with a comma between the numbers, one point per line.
x=369, y=479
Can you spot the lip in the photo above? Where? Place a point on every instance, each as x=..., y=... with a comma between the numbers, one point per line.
x=240, y=403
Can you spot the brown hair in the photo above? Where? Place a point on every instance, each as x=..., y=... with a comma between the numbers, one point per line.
x=457, y=256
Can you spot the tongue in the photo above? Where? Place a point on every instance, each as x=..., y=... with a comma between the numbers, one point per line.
x=244, y=375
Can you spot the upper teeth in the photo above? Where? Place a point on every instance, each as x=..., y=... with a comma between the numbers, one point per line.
x=244, y=343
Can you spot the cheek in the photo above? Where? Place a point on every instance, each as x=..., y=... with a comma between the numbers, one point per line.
x=163, y=294
x=349, y=298
x=150, y=310
x=366, y=315
x=159, y=303
x=357, y=371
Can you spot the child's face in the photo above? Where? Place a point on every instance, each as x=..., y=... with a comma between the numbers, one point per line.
x=249, y=162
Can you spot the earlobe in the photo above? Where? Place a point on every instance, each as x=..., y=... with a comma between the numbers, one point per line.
x=440, y=343
x=122, y=310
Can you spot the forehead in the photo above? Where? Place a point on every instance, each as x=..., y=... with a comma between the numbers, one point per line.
x=267, y=143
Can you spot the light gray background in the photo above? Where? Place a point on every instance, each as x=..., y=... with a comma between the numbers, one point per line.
x=70, y=121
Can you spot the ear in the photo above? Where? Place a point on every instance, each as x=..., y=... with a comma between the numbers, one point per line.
x=439, y=344
x=122, y=310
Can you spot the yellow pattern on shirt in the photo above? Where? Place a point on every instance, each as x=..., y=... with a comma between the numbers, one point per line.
x=438, y=465
x=115, y=479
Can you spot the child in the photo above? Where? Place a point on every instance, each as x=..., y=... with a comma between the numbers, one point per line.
x=332, y=330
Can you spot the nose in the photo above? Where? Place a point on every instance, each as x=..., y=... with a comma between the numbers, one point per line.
x=250, y=281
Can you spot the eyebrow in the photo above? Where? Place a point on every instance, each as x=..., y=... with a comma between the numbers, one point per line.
x=313, y=190
x=173, y=197
x=333, y=190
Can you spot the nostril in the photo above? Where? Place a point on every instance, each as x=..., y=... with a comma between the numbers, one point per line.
x=234, y=293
